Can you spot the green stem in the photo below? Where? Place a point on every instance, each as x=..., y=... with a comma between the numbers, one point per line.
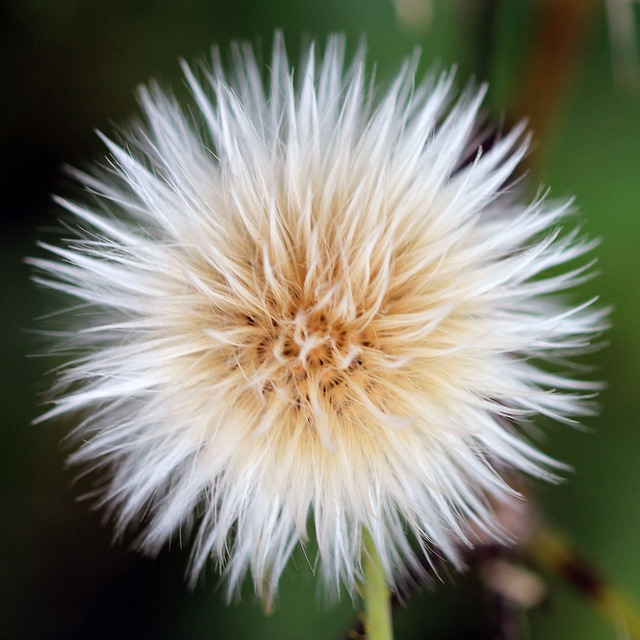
x=376, y=594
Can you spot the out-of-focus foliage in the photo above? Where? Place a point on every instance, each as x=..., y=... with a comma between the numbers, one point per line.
x=69, y=67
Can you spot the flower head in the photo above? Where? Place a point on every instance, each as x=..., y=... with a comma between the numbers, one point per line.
x=305, y=304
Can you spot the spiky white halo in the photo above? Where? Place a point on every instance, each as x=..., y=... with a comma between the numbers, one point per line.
x=309, y=305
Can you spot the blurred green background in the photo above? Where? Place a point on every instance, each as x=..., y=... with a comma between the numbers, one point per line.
x=70, y=66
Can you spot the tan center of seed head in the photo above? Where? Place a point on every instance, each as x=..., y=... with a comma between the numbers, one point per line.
x=308, y=348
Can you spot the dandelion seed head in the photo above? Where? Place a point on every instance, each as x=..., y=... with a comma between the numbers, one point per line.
x=303, y=305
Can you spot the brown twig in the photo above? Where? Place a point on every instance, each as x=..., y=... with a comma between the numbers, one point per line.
x=558, y=42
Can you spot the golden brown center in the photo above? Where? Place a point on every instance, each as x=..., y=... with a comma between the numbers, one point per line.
x=304, y=348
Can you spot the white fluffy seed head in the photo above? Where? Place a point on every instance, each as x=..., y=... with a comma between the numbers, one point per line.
x=302, y=305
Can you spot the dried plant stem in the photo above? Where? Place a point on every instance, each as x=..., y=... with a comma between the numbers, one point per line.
x=376, y=594
x=551, y=552
x=558, y=43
